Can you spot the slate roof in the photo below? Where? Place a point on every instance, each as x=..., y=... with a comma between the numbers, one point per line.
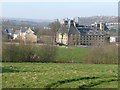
x=92, y=32
x=63, y=29
x=28, y=30
x=106, y=28
x=73, y=30
x=9, y=30
x=23, y=30
x=17, y=32
x=70, y=29
x=83, y=30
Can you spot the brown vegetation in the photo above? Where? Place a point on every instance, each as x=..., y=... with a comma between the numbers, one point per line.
x=103, y=55
x=28, y=53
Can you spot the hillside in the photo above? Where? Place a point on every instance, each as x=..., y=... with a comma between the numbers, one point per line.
x=93, y=19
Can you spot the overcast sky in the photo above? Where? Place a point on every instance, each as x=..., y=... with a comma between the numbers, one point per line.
x=54, y=10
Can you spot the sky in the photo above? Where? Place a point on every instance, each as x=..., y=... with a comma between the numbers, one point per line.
x=58, y=10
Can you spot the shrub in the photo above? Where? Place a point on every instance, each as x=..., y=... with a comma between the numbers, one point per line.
x=28, y=53
x=103, y=55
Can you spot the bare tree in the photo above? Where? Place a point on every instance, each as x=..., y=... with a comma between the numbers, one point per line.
x=54, y=28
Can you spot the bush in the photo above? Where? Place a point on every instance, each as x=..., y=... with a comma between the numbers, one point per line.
x=103, y=55
x=28, y=53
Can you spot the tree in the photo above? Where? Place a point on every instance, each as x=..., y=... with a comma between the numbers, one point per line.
x=54, y=28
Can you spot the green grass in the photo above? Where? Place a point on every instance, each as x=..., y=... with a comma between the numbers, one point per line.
x=58, y=75
x=71, y=54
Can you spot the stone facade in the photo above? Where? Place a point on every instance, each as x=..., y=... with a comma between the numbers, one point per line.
x=92, y=40
x=68, y=34
x=71, y=34
x=62, y=38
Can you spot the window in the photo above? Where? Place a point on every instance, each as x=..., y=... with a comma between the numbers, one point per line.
x=77, y=43
x=90, y=38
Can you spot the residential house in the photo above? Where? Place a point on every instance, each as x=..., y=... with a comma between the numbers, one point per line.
x=25, y=35
x=8, y=33
x=114, y=39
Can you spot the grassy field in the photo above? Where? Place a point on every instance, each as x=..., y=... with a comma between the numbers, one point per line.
x=71, y=54
x=58, y=75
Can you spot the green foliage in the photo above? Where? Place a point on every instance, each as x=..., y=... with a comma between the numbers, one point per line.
x=59, y=75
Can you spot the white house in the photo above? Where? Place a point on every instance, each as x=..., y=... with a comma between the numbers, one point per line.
x=25, y=34
x=114, y=39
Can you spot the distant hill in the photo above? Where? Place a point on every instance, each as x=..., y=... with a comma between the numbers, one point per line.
x=45, y=22
x=23, y=21
x=93, y=19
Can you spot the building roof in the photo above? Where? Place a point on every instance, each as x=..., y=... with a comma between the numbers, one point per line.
x=92, y=32
x=84, y=30
x=63, y=29
x=73, y=29
x=9, y=31
x=29, y=30
x=23, y=29
x=68, y=28
x=17, y=32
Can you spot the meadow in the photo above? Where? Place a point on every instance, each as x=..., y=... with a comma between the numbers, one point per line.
x=59, y=75
x=71, y=54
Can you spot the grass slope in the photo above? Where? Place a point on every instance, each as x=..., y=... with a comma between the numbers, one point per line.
x=58, y=75
x=71, y=54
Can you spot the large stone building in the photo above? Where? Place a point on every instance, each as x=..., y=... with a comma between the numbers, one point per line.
x=68, y=34
x=72, y=33
x=92, y=36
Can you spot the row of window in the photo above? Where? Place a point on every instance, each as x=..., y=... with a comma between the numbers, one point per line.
x=90, y=36
x=87, y=41
x=84, y=38
x=90, y=44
